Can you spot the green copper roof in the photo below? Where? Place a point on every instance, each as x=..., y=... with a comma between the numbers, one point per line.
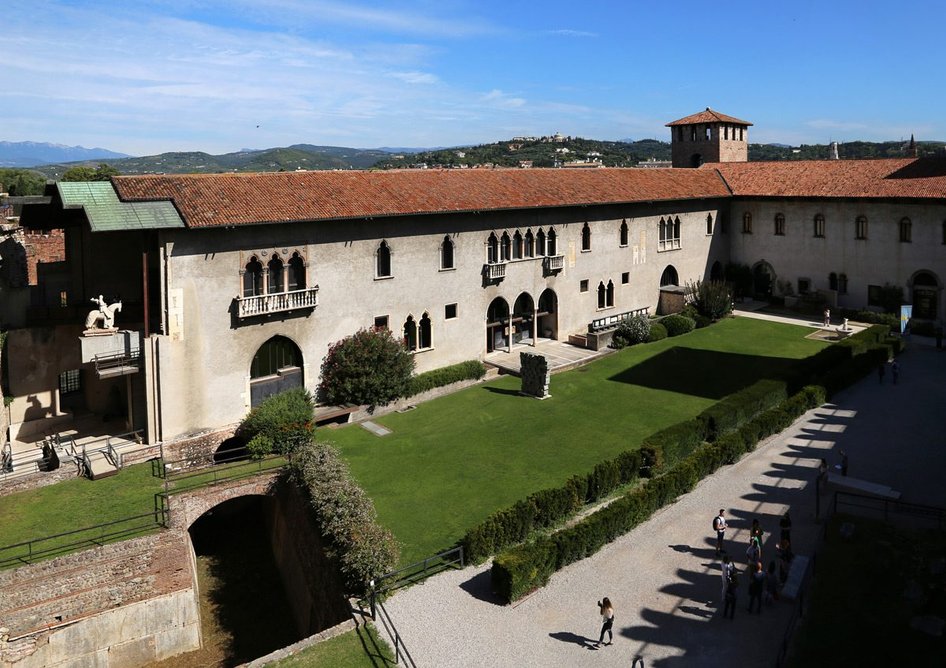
x=106, y=213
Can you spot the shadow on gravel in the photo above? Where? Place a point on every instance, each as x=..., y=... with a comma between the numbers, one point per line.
x=480, y=587
x=567, y=636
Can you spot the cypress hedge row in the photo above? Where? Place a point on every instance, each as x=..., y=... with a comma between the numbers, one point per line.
x=680, y=466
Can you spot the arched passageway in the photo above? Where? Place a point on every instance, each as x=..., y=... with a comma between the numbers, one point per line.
x=497, y=325
x=926, y=292
x=763, y=278
x=523, y=319
x=547, y=314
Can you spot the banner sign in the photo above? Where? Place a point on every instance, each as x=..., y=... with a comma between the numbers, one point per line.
x=906, y=312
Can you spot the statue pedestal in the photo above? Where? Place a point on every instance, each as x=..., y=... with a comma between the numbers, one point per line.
x=108, y=342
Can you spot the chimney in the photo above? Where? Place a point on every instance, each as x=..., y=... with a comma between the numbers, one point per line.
x=834, y=151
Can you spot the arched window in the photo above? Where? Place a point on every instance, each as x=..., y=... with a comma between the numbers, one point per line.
x=253, y=278
x=423, y=333
x=709, y=223
x=676, y=231
x=517, y=246
x=296, y=272
x=540, y=243
x=663, y=231
x=906, y=230
x=623, y=233
x=586, y=238
x=609, y=294
x=277, y=353
x=819, y=225
x=492, y=249
x=410, y=333
x=669, y=276
x=275, y=271
x=602, y=295
x=384, y=260
x=780, y=225
x=530, y=244
x=747, y=223
x=446, y=253
x=842, y=284
x=860, y=227
x=504, y=248
x=832, y=281
x=552, y=243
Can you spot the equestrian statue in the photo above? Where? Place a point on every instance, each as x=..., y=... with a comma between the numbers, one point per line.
x=105, y=314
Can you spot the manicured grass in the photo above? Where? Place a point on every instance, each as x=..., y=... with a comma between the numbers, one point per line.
x=361, y=648
x=858, y=613
x=75, y=504
x=451, y=462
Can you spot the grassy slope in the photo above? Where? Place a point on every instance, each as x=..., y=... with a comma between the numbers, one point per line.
x=361, y=648
x=450, y=463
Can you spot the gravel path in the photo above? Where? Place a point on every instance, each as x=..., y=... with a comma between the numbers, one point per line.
x=663, y=577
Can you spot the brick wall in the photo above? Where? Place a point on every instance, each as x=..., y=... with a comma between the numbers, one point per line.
x=43, y=247
x=197, y=449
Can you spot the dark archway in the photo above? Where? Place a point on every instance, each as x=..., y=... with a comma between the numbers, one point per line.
x=523, y=315
x=497, y=323
x=547, y=324
x=669, y=276
x=926, y=290
x=276, y=367
x=231, y=450
x=763, y=278
x=716, y=271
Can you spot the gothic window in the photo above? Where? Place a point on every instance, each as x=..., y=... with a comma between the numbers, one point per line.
x=504, y=248
x=709, y=223
x=540, y=243
x=662, y=235
x=747, y=223
x=780, y=225
x=860, y=227
x=552, y=243
x=446, y=253
x=906, y=230
x=832, y=281
x=819, y=226
x=253, y=278
x=530, y=244
x=602, y=295
x=623, y=240
x=842, y=284
x=410, y=333
x=274, y=269
x=586, y=237
x=676, y=231
x=423, y=333
x=296, y=272
x=517, y=246
x=383, y=260
x=492, y=249
x=609, y=294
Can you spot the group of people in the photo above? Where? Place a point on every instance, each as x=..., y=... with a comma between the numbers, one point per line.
x=763, y=584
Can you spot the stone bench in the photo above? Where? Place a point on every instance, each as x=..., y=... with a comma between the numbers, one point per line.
x=796, y=576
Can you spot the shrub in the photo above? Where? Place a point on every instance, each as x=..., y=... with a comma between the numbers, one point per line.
x=677, y=324
x=739, y=407
x=631, y=331
x=676, y=441
x=711, y=299
x=370, y=368
x=657, y=332
x=345, y=514
x=469, y=370
x=282, y=423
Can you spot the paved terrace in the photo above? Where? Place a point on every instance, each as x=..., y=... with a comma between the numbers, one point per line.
x=663, y=577
x=560, y=355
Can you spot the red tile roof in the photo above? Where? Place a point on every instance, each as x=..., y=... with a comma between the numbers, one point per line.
x=708, y=116
x=244, y=199
x=911, y=178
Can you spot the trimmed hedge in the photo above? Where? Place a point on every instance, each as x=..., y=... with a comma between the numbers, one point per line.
x=657, y=332
x=677, y=324
x=469, y=370
x=737, y=408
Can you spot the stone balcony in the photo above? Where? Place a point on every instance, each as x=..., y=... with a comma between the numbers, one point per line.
x=278, y=302
x=495, y=272
x=553, y=263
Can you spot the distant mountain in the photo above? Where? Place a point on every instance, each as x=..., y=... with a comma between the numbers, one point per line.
x=31, y=153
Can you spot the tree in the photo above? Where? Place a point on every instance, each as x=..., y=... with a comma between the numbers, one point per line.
x=712, y=299
x=85, y=173
x=20, y=182
x=370, y=367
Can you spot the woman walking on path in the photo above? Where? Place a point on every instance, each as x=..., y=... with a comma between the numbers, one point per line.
x=755, y=533
x=607, y=620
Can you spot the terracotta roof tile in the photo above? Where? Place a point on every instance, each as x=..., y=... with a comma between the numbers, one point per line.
x=708, y=116
x=912, y=178
x=244, y=199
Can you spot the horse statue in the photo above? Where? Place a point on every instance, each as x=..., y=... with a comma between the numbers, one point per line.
x=105, y=313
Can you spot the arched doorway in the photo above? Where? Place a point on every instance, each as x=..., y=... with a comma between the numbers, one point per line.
x=523, y=319
x=763, y=278
x=925, y=288
x=669, y=277
x=547, y=315
x=716, y=271
x=276, y=367
x=497, y=325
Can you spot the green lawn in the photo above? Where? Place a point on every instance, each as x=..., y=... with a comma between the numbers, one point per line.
x=361, y=648
x=451, y=462
x=859, y=614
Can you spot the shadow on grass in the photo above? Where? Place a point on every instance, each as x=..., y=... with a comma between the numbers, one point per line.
x=704, y=373
x=503, y=390
x=380, y=655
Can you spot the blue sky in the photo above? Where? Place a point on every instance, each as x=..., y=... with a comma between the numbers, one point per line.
x=147, y=76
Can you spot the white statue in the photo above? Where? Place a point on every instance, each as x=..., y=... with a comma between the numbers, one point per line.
x=104, y=313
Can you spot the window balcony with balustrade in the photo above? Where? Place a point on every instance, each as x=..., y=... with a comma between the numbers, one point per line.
x=277, y=302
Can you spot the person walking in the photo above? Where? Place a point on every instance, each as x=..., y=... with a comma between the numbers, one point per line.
x=827, y=317
x=753, y=553
x=607, y=620
x=755, y=533
x=895, y=371
x=843, y=463
x=732, y=588
x=719, y=526
x=727, y=569
x=756, y=587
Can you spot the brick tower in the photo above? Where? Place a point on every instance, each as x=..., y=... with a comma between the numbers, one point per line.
x=708, y=136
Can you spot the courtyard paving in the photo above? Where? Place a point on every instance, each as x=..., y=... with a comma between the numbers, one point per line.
x=663, y=577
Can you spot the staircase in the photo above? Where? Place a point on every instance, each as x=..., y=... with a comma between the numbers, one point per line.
x=99, y=464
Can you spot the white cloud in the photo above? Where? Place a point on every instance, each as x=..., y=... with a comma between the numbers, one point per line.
x=416, y=77
x=565, y=32
x=500, y=99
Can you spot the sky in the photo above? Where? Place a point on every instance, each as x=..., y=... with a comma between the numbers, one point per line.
x=148, y=76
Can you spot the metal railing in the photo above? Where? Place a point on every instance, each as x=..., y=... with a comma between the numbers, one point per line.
x=131, y=358
x=599, y=324
x=885, y=508
x=400, y=649
x=188, y=474
x=277, y=302
x=418, y=571
x=797, y=614
x=46, y=547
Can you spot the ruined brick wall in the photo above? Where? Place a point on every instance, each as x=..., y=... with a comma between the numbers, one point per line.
x=197, y=449
x=42, y=247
